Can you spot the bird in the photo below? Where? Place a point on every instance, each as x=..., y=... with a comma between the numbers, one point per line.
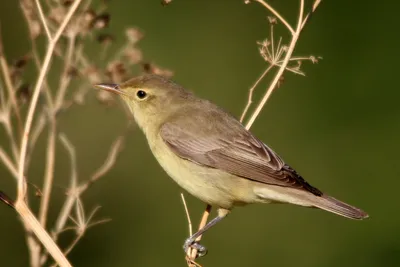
x=211, y=155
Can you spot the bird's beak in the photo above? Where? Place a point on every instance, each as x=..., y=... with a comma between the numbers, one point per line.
x=111, y=87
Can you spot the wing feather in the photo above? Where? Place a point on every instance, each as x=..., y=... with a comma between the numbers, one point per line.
x=237, y=152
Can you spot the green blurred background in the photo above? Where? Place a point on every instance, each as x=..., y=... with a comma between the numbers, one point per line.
x=339, y=127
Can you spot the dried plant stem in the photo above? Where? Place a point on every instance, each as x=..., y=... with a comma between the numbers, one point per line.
x=35, y=96
x=48, y=182
x=40, y=233
x=72, y=196
x=276, y=13
x=11, y=90
x=49, y=176
x=64, y=81
x=11, y=136
x=251, y=91
x=45, y=25
x=187, y=216
x=203, y=222
x=289, y=52
x=20, y=205
x=8, y=163
x=75, y=190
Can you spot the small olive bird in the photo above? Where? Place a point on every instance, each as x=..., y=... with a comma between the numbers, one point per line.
x=210, y=154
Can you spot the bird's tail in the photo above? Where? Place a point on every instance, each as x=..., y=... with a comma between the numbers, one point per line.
x=338, y=207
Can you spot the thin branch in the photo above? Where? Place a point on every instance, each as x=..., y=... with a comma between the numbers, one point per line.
x=281, y=70
x=43, y=19
x=9, y=84
x=76, y=190
x=35, y=97
x=48, y=183
x=35, y=56
x=35, y=133
x=314, y=7
x=10, y=133
x=49, y=176
x=64, y=81
x=71, y=246
x=108, y=163
x=203, y=222
x=8, y=163
x=20, y=204
x=72, y=196
x=187, y=216
x=33, y=224
x=251, y=91
x=276, y=13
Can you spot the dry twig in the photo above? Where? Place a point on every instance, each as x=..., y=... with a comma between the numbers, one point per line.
x=56, y=20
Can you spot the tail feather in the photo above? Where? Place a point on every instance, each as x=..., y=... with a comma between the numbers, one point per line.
x=338, y=207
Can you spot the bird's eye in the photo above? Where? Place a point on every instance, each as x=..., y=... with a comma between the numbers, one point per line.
x=141, y=94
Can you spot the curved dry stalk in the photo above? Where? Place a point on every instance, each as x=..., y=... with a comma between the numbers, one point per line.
x=8, y=163
x=48, y=181
x=49, y=176
x=20, y=205
x=276, y=13
x=75, y=190
x=69, y=202
x=9, y=85
x=251, y=91
x=33, y=224
x=203, y=222
x=35, y=96
x=45, y=25
x=289, y=52
x=107, y=165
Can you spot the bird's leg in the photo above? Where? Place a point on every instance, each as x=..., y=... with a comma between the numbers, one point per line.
x=191, y=241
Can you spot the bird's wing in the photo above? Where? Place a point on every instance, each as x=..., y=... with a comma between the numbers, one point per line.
x=237, y=152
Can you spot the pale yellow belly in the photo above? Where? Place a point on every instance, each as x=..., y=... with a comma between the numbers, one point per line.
x=212, y=186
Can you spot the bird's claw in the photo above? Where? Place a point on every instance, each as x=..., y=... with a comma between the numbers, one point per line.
x=201, y=250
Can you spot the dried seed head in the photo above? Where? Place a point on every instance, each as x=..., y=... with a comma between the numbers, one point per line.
x=87, y=19
x=93, y=74
x=101, y=21
x=315, y=59
x=24, y=93
x=272, y=20
x=105, y=38
x=29, y=9
x=72, y=72
x=35, y=28
x=133, y=55
x=154, y=69
x=116, y=71
x=21, y=62
x=298, y=66
x=67, y=3
x=166, y=2
x=133, y=35
x=57, y=14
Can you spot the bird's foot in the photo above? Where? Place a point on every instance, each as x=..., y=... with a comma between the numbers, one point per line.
x=201, y=250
